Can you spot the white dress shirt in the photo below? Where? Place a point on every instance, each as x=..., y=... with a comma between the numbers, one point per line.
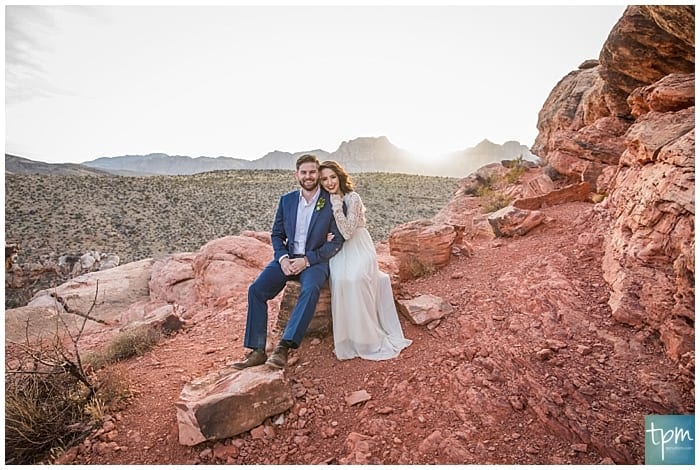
x=304, y=212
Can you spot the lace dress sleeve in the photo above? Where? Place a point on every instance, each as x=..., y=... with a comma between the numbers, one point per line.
x=347, y=224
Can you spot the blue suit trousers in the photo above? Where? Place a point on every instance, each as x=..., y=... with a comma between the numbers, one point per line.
x=267, y=286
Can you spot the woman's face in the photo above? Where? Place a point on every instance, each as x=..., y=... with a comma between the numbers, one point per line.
x=330, y=181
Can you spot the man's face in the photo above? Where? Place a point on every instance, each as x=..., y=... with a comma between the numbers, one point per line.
x=307, y=176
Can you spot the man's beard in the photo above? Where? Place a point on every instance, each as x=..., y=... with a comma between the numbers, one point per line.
x=308, y=185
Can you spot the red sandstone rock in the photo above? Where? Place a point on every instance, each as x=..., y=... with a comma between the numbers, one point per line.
x=225, y=267
x=228, y=402
x=672, y=93
x=172, y=280
x=572, y=193
x=511, y=221
x=424, y=240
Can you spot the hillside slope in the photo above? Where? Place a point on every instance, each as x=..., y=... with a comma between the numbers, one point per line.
x=515, y=375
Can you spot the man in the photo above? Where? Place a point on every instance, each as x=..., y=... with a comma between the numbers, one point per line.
x=301, y=251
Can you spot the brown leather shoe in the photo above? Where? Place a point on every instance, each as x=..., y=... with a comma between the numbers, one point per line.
x=255, y=357
x=278, y=358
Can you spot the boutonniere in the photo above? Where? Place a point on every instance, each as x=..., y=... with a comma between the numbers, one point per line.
x=320, y=203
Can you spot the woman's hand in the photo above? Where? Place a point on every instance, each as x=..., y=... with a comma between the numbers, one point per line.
x=330, y=237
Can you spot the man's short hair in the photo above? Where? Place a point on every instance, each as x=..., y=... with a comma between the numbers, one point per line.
x=307, y=158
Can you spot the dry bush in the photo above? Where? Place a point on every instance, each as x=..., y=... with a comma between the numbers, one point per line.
x=46, y=414
x=488, y=189
x=516, y=170
x=416, y=267
x=42, y=412
x=126, y=344
x=113, y=388
x=51, y=401
x=495, y=201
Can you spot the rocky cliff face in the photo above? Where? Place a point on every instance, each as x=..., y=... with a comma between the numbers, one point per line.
x=626, y=124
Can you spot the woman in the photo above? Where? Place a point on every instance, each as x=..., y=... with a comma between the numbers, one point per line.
x=365, y=322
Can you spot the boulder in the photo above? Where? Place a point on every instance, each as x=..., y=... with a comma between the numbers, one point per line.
x=172, y=280
x=511, y=221
x=225, y=267
x=228, y=402
x=109, y=261
x=538, y=186
x=425, y=241
x=102, y=294
x=580, y=192
x=388, y=263
x=34, y=324
x=424, y=309
x=167, y=318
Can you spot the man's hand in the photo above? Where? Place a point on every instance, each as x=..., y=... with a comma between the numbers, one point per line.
x=292, y=267
x=286, y=265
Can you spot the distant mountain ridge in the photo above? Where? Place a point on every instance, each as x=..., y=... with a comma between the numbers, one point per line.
x=363, y=154
x=164, y=164
x=15, y=165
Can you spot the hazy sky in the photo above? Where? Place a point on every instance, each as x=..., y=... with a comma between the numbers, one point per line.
x=84, y=82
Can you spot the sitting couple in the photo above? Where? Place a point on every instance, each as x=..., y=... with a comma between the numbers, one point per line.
x=320, y=231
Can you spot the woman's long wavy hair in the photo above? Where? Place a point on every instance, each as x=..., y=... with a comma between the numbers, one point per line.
x=346, y=184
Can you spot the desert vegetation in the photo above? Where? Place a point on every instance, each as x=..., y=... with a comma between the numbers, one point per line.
x=490, y=187
x=55, y=395
x=143, y=217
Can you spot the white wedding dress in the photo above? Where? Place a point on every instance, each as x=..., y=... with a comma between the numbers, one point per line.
x=365, y=321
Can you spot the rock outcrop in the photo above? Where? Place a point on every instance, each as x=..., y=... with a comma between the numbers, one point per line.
x=225, y=267
x=102, y=297
x=24, y=279
x=580, y=192
x=229, y=402
x=172, y=280
x=424, y=244
x=626, y=125
x=144, y=291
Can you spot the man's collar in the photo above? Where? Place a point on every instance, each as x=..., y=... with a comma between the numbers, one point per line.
x=314, y=198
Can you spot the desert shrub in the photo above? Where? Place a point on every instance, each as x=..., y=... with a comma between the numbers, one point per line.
x=551, y=172
x=126, y=344
x=495, y=201
x=486, y=184
x=51, y=403
x=42, y=412
x=514, y=173
x=598, y=197
x=516, y=168
x=417, y=267
x=113, y=389
x=484, y=191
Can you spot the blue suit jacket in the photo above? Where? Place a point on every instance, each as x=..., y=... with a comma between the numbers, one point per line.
x=318, y=248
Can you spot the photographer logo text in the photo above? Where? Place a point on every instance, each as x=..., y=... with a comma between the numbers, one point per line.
x=669, y=440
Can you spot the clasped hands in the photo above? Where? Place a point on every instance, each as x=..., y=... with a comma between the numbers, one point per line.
x=292, y=267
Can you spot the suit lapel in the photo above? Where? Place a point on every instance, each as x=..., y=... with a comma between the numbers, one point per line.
x=292, y=216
